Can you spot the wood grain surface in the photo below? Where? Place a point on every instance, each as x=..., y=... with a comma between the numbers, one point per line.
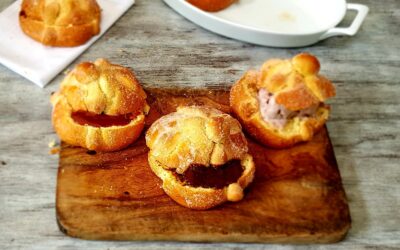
x=296, y=196
x=166, y=50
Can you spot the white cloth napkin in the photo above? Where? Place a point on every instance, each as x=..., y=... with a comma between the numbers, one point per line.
x=39, y=63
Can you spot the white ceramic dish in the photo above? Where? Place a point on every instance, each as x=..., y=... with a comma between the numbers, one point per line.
x=276, y=23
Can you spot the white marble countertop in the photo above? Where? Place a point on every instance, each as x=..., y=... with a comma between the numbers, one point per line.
x=164, y=49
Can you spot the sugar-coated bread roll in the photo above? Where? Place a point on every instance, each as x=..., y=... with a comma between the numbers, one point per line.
x=61, y=23
x=211, y=5
x=282, y=104
x=100, y=106
x=201, y=155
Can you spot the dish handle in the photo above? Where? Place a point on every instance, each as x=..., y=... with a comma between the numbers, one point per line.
x=362, y=11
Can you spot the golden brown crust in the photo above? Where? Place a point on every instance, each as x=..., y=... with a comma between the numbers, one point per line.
x=245, y=106
x=102, y=87
x=93, y=138
x=211, y=5
x=198, y=135
x=99, y=88
x=203, y=198
x=296, y=83
x=62, y=23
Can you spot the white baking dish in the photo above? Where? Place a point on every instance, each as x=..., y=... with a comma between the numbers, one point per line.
x=276, y=23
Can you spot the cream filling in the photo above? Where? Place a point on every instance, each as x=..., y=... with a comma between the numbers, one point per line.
x=276, y=114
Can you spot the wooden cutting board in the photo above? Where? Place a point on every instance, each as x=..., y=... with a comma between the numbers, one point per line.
x=297, y=195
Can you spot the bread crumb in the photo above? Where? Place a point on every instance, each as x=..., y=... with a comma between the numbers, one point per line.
x=234, y=192
x=52, y=144
x=286, y=16
x=54, y=150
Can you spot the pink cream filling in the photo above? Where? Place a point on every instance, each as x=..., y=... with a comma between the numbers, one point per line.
x=277, y=115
